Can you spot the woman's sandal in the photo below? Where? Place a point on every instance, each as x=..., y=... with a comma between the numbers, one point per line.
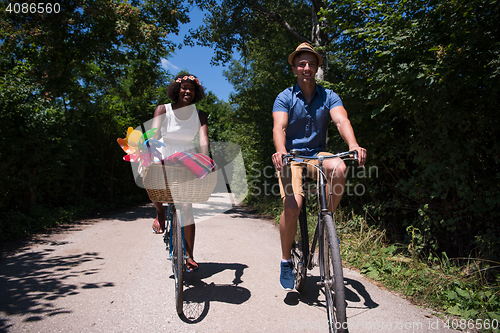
x=192, y=266
x=160, y=229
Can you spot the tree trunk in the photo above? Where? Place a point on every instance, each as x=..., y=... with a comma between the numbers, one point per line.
x=319, y=38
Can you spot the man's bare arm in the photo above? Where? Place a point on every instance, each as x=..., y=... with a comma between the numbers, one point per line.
x=280, y=120
x=343, y=124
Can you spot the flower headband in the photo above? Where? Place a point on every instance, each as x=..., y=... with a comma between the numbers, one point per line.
x=190, y=77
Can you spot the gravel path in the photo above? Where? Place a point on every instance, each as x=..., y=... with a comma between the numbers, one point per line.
x=112, y=275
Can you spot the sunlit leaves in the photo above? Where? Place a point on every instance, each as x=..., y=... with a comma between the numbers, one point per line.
x=422, y=82
x=71, y=83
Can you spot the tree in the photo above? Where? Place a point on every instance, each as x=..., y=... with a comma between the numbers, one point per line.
x=421, y=81
x=91, y=42
x=71, y=83
x=233, y=24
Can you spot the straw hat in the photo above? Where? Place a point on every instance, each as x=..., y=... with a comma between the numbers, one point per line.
x=307, y=48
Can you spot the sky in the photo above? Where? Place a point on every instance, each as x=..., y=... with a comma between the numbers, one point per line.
x=196, y=60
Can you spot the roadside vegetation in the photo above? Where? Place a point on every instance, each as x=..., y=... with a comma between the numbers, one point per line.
x=462, y=291
x=466, y=287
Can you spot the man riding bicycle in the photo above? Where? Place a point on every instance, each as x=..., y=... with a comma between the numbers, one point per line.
x=301, y=116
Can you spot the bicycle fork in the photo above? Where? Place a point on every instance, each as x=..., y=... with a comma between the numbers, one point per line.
x=321, y=227
x=321, y=240
x=168, y=236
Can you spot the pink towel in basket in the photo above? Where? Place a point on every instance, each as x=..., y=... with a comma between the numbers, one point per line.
x=199, y=164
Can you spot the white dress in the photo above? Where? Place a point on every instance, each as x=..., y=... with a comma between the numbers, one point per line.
x=177, y=134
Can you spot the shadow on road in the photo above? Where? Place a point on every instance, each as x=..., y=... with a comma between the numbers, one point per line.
x=132, y=214
x=309, y=294
x=355, y=292
x=31, y=281
x=243, y=212
x=198, y=294
x=8, y=248
x=359, y=289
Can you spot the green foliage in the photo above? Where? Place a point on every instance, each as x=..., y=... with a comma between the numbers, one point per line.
x=49, y=162
x=420, y=82
x=256, y=89
x=240, y=25
x=468, y=288
x=246, y=121
x=265, y=205
x=219, y=118
x=70, y=85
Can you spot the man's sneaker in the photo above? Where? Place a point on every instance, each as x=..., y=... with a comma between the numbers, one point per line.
x=286, y=278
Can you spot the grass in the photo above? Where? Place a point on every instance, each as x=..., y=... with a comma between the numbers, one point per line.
x=468, y=289
x=465, y=287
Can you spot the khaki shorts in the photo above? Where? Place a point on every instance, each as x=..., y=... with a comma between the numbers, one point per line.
x=290, y=177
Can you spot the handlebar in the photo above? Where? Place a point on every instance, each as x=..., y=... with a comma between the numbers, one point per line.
x=294, y=156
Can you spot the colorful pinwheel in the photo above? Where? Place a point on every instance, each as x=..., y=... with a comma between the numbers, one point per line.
x=140, y=147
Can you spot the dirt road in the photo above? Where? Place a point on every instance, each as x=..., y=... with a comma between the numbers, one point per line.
x=113, y=275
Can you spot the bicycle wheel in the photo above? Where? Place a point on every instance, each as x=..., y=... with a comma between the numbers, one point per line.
x=178, y=262
x=300, y=251
x=334, y=278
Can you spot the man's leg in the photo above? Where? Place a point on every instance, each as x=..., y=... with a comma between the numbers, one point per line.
x=335, y=169
x=291, y=189
x=288, y=223
x=288, y=228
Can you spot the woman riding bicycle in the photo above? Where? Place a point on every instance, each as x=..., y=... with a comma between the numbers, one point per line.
x=179, y=123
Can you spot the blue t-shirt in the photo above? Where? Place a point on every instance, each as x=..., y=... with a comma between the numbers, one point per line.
x=307, y=123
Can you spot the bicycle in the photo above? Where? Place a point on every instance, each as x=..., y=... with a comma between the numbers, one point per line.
x=175, y=245
x=183, y=187
x=325, y=236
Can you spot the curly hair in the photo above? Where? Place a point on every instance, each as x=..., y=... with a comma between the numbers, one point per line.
x=174, y=87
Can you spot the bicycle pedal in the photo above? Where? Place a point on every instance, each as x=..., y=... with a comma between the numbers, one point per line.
x=321, y=283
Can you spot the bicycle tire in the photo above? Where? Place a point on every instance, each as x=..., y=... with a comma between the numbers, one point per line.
x=178, y=263
x=334, y=278
x=300, y=251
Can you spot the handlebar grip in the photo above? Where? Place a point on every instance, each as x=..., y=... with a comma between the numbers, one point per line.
x=356, y=155
x=284, y=160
